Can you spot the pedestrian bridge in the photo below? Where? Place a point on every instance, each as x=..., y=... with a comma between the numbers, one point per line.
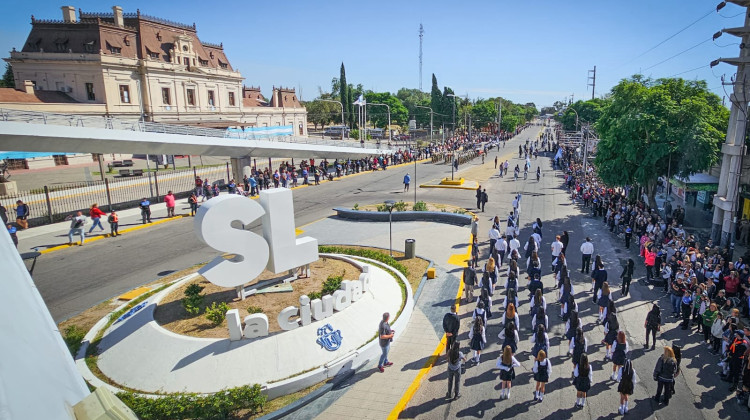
x=25, y=131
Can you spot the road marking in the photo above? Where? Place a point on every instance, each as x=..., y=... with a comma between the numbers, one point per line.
x=96, y=238
x=133, y=293
x=414, y=386
x=461, y=259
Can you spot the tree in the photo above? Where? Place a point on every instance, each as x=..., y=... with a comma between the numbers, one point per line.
x=323, y=113
x=588, y=112
x=448, y=105
x=345, y=95
x=8, y=80
x=379, y=114
x=436, y=101
x=410, y=98
x=652, y=127
x=483, y=113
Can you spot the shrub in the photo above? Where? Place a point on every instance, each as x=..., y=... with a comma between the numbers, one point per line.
x=382, y=208
x=185, y=405
x=366, y=253
x=314, y=295
x=356, y=206
x=420, y=206
x=459, y=211
x=193, y=299
x=332, y=284
x=255, y=310
x=217, y=313
x=400, y=206
x=73, y=335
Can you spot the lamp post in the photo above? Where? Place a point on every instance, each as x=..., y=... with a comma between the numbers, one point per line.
x=343, y=124
x=389, y=120
x=389, y=205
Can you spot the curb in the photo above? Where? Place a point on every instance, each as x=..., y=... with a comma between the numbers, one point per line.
x=455, y=187
x=307, y=399
x=131, y=229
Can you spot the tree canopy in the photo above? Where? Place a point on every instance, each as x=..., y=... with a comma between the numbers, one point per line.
x=588, y=112
x=8, y=80
x=652, y=127
x=379, y=114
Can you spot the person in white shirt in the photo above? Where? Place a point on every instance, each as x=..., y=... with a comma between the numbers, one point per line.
x=494, y=235
x=510, y=231
x=514, y=244
x=542, y=372
x=583, y=379
x=501, y=247
x=627, y=379
x=556, y=247
x=587, y=249
x=506, y=363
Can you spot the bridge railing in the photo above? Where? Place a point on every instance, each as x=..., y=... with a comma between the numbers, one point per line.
x=112, y=123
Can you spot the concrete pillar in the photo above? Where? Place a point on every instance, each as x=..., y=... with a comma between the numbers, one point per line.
x=241, y=166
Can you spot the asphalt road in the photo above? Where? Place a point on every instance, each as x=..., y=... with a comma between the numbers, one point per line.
x=699, y=392
x=76, y=279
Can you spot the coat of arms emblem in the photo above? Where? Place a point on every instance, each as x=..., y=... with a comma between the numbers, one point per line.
x=328, y=338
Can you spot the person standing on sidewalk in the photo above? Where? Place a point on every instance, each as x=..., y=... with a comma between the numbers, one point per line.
x=451, y=324
x=95, y=213
x=169, y=200
x=193, y=201
x=455, y=360
x=22, y=214
x=114, y=224
x=485, y=198
x=664, y=373
x=479, y=197
x=587, y=249
x=76, y=228
x=145, y=207
x=386, y=336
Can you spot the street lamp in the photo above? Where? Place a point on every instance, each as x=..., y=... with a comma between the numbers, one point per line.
x=389, y=205
x=389, y=120
x=343, y=124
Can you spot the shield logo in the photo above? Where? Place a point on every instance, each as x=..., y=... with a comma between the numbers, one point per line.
x=328, y=338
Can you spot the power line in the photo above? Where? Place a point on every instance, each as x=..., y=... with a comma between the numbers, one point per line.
x=670, y=37
x=678, y=54
x=688, y=71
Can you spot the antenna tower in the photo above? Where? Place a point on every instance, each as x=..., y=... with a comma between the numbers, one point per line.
x=421, y=34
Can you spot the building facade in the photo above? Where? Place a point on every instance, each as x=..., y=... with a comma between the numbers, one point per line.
x=130, y=65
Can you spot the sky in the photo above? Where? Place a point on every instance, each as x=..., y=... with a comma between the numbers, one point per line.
x=526, y=51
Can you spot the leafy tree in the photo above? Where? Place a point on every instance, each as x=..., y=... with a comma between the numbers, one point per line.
x=559, y=105
x=379, y=114
x=345, y=95
x=323, y=113
x=410, y=98
x=588, y=112
x=483, y=113
x=436, y=102
x=651, y=124
x=8, y=80
x=447, y=106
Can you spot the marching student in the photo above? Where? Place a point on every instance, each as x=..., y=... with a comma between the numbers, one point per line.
x=510, y=298
x=582, y=380
x=478, y=340
x=491, y=268
x=509, y=335
x=572, y=325
x=619, y=354
x=485, y=299
x=540, y=340
x=513, y=269
x=569, y=307
x=566, y=289
x=539, y=318
x=506, y=363
x=538, y=301
x=542, y=369
x=479, y=312
x=455, y=359
x=602, y=299
x=611, y=326
x=627, y=378
x=510, y=315
x=578, y=346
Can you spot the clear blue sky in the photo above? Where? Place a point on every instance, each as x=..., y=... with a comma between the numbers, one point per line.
x=527, y=51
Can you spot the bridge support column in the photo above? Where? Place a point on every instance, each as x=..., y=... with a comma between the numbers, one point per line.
x=241, y=166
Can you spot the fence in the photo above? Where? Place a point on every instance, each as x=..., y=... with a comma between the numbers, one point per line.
x=53, y=203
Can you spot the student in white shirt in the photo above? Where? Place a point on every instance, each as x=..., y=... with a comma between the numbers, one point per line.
x=542, y=372
x=506, y=363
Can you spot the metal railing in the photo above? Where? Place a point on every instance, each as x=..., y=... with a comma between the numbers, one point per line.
x=112, y=123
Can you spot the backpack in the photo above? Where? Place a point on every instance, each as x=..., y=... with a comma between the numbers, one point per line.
x=512, y=284
x=78, y=224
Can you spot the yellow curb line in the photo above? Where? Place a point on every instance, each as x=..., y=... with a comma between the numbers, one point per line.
x=448, y=186
x=414, y=386
x=96, y=238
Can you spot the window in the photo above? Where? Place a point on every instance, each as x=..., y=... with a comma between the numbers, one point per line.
x=114, y=50
x=125, y=94
x=166, y=98
x=223, y=64
x=126, y=40
x=231, y=98
x=203, y=62
x=61, y=45
x=186, y=62
x=90, y=92
x=211, y=98
x=152, y=55
x=89, y=46
x=191, y=97
x=184, y=48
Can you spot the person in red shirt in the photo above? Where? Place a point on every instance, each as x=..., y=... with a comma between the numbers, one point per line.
x=95, y=213
x=650, y=260
x=169, y=200
x=732, y=284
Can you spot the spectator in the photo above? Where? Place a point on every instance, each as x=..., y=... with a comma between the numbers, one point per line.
x=96, y=214
x=385, y=334
x=145, y=207
x=169, y=200
x=12, y=232
x=22, y=214
x=76, y=228
x=114, y=224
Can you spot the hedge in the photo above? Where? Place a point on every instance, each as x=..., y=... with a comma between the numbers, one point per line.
x=366, y=253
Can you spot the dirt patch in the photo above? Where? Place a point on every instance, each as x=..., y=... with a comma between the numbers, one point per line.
x=171, y=315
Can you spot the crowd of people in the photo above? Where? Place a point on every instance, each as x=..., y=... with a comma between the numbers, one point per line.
x=708, y=292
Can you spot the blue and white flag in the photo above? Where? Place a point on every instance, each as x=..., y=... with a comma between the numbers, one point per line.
x=559, y=153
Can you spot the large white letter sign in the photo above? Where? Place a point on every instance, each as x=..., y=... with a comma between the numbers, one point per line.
x=213, y=227
x=287, y=252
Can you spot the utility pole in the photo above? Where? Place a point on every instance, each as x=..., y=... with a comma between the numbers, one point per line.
x=733, y=149
x=592, y=80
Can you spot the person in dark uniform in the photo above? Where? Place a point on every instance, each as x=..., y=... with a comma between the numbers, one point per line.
x=619, y=354
x=611, y=326
x=627, y=378
x=583, y=378
x=627, y=276
x=664, y=373
x=507, y=364
x=578, y=346
x=652, y=324
x=479, y=197
x=450, y=326
x=542, y=368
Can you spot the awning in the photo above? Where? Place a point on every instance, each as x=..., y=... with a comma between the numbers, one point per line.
x=697, y=182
